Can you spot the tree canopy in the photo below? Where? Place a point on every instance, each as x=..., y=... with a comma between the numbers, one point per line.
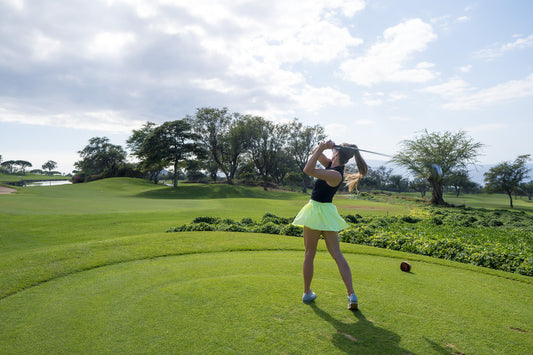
x=451, y=151
x=507, y=176
x=100, y=156
x=170, y=144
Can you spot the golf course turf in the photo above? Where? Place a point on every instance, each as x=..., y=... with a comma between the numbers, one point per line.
x=109, y=280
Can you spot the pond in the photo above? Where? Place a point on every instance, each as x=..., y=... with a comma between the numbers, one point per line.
x=48, y=183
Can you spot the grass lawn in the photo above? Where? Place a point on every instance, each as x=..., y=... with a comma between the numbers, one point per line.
x=491, y=201
x=88, y=269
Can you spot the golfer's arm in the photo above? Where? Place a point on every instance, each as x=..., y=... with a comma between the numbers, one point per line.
x=322, y=159
x=332, y=177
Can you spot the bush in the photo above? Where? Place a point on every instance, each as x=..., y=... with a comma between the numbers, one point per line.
x=465, y=235
x=206, y=219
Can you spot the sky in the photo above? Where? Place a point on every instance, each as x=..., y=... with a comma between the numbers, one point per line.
x=372, y=73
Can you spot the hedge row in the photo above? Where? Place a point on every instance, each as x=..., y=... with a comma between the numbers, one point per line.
x=500, y=239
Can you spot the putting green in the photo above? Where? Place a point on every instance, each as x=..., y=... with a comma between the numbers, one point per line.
x=250, y=302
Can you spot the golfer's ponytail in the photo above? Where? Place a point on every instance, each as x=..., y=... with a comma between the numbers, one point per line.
x=352, y=180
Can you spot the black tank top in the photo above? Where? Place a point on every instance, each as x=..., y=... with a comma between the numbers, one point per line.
x=322, y=192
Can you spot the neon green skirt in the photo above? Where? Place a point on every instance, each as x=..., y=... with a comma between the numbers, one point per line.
x=320, y=216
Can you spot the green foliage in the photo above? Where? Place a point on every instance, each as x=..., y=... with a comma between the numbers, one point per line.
x=451, y=151
x=507, y=177
x=100, y=156
x=496, y=239
x=269, y=224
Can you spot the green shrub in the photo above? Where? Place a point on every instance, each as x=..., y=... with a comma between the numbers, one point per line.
x=206, y=219
x=466, y=235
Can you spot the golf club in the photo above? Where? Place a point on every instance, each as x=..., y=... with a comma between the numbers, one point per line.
x=435, y=170
x=362, y=150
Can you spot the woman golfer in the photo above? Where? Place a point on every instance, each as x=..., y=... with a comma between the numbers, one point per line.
x=320, y=216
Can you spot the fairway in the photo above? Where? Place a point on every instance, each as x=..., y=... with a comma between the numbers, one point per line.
x=78, y=278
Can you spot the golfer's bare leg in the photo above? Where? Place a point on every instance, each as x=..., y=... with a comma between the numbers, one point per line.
x=332, y=242
x=311, y=237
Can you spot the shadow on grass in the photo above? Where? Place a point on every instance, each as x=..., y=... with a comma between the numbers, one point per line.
x=211, y=191
x=361, y=336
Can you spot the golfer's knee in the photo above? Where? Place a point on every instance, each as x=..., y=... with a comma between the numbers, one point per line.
x=310, y=254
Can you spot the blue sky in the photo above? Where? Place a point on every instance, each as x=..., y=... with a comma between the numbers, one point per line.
x=372, y=73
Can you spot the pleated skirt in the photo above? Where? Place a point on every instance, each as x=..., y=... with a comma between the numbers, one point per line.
x=320, y=216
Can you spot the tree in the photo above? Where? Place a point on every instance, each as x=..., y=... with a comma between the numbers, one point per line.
x=420, y=185
x=23, y=165
x=398, y=183
x=451, y=151
x=100, y=156
x=506, y=177
x=300, y=143
x=225, y=136
x=458, y=179
x=49, y=165
x=171, y=144
x=267, y=142
x=527, y=188
x=8, y=165
x=135, y=143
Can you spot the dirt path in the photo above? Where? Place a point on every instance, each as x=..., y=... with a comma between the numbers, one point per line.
x=6, y=190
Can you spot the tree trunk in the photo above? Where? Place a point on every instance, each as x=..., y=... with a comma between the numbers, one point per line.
x=175, y=177
x=510, y=199
x=436, y=195
x=265, y=182
x=306, y=183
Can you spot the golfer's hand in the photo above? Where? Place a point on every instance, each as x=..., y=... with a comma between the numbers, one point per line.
x=322, y=146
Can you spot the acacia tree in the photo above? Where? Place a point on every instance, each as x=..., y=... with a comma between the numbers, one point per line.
x=23, y=165
x=170, y=144
x=458, y=179
x=451, y=151
x=300, y=143
x=8, y=165
x=420, y=185
x=527, y=188
x=506, y=177
x=49, y=165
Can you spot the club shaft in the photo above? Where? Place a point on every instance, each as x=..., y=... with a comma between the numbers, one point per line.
x=362, y=150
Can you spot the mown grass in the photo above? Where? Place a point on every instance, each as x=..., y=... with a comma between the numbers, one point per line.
x=490, y=201
x=88, y=269
x=237, y=292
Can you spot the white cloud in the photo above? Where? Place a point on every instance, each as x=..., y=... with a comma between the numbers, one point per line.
x=465, y=69
x=44, y=47
x=388, y=59
x=486, y=127
x=459, y=95
x=497, y=50
x=108, y=121
x=379, y=98
x=364, y=122
x=110, y=44
x=150, y=56
x=17, y=5
x=453, y=88
x=400, y=119
x=463, y=19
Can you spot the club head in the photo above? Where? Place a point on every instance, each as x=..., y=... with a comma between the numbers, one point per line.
x=435, y=171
